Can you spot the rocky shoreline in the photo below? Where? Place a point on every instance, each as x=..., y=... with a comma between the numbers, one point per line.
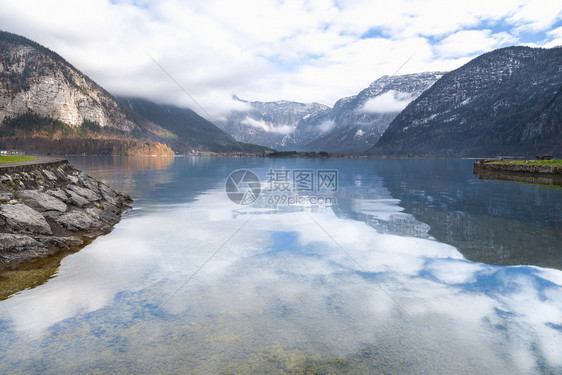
x=47, y=206
x=517, y=168
x=534, y=174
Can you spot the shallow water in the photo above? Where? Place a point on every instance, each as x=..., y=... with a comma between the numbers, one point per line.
x=417, y=267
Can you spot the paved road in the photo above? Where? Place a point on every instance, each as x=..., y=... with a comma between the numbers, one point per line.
x=25, y=165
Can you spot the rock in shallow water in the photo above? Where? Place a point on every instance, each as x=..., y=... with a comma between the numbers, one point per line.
x=60, y=242
x=15, y=243
x=18, y=247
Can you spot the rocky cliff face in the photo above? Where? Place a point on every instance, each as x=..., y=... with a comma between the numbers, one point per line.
x=48, y=106
x=359, y=121
x=506, y=102
x=33, y=78
x=50, y=206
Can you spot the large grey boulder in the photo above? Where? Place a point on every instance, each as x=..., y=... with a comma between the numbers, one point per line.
x=58, y=193
x=50, y=175
x=24, y=219
x=78, y=221
x=109, y=194
x=86, y=193
x=104, y=213
x=41, y=201
x=89, y=182
x=77, y=199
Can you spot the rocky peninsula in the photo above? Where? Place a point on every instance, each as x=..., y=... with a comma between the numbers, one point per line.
x=48, y=206
x=544, y=172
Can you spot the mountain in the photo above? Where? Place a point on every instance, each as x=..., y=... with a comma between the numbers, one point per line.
x=505, y=102
x=353, y=125
x=359, y=121
x=271, y=124
x=48, y=106
x=192, y=132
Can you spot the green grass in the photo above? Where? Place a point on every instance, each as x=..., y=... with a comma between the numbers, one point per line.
x=555, y=163
x=15, y=159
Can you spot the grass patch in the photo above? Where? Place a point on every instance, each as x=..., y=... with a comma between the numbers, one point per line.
x=15, y=159
x=555, y=163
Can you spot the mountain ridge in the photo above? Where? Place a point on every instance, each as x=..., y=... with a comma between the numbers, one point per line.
x=48, y=106
x=269, y=123
x=343, y=128
x=193, y=132
x=504, y=102
x=356, y=129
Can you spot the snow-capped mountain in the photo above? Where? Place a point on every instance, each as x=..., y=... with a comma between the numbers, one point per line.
x=272, y=124
x=359, y=121
x=505, y=102
x=353, y=125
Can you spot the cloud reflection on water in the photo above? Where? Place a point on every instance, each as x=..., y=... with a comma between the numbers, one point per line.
x=286, y=276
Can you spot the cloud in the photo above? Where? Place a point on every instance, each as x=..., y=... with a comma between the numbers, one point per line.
x=366, y=277
x=326, y=126
x=268, y=127
x=470, y=42
x=389, y=102
x=316, y=50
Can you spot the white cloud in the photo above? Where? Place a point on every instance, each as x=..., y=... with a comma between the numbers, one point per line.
x=268, y=127
x=554, y=38
x=326, y=126
x=470, y=42
x=455, y=272
x=315, y=50
x=510, y=316
x=390, y=101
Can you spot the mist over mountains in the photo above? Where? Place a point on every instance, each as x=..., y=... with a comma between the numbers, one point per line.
x=48, y=106
x=505, y=102
x=353, y=125
x=359, y=121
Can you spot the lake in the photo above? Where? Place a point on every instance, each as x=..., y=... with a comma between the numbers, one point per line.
x=335, y=266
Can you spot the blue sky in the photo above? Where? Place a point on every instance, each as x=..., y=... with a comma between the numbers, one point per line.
x=317, y=50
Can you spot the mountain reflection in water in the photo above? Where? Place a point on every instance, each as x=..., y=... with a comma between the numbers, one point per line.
x=376, y=283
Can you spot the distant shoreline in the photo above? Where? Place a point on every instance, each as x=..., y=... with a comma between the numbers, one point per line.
x=543, y=172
